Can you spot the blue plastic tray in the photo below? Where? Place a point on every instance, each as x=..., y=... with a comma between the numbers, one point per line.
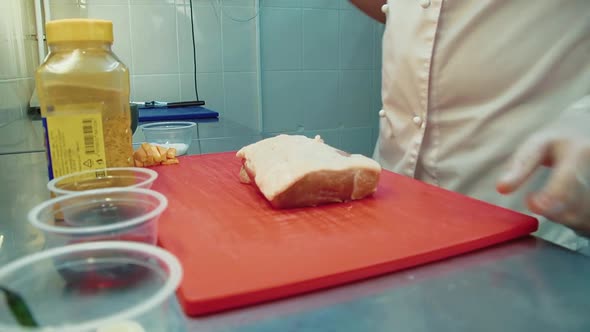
x=176, y=113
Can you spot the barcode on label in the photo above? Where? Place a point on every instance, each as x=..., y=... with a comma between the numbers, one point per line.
x=88, y=130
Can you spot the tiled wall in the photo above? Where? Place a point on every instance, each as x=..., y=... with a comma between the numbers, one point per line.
x=153, y=37
x=321, y=63
x=18, y=57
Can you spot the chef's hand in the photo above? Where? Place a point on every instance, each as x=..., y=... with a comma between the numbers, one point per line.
x=566, y=196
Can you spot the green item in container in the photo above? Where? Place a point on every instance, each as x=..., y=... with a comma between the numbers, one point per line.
x=19, y=308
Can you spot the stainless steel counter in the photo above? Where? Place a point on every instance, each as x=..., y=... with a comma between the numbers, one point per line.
x=525, y=285
x=18, y=134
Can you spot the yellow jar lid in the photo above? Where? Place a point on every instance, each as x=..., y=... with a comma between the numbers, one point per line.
x=69, y=30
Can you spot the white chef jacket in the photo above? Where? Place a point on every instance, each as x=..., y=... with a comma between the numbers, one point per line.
x=466, y=81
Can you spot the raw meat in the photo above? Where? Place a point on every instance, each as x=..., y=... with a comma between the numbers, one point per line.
x=296, y=171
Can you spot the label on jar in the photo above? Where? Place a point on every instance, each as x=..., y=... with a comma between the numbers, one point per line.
x=75, y=140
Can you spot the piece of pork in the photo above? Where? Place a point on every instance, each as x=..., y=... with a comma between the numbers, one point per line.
x=296, y=171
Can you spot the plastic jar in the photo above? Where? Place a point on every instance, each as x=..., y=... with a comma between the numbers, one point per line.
x=83, y=91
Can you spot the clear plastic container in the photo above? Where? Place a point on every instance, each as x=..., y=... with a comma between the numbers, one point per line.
x=94, y=287
x=176, y=135
x=113, y=214
x=116, y=177
x=83, y=92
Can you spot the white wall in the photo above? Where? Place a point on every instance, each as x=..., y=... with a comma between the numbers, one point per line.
x=319, y=64
x=153, y=38
x=321, y=72
x=18, y=57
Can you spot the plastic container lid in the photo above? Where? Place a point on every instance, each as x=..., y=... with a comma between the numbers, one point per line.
x=158, y=261
x=78, y=181
x=69, y=30
x=82, y=199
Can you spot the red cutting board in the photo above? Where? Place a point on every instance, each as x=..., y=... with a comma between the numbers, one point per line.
x=237, y=250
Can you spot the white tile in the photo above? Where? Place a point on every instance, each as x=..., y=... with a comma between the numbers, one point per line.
x=25, y=90
x=238, y=3
x=138, y=138
x=327, y=4
x=320, y=108
x=241, y=99
x=320, y=39
x=356, y=95
x=210, y=86
x=9, y=66
x=357, y=140
x=224, y=127
x=28, y=17
x=132, y=89
x=207, y=39
x=281, y=3
x=282, y=101
x=11, y=97
x=379, y=29
x=8, y=95
x=31, y=57
x=119, y=15
x=106, y=2
x=156, y=87
x=216, y=145
x=239, y=39
x=13, y=136
x=67, y=10
x=151, y=2
x=357, y=40
x=345, y=4
x=64, y=2
x=185, y=46
x=153, y=39
x=16, y=24
x=194, y=148
x=281, y=38
x=9, y=15
x=213, y=129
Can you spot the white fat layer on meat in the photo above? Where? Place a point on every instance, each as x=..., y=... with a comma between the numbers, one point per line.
x=278, y=162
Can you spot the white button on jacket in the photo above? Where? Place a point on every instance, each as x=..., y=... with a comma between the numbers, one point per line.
x=424, y=3
x=417, y=120
x=465, y=81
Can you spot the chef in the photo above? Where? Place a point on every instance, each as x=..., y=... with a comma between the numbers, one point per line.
x=491, y=99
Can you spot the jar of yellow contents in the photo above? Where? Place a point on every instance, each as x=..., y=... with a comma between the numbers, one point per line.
x=83, y=91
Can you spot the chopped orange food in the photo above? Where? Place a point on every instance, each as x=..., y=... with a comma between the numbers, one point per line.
x=152, y=155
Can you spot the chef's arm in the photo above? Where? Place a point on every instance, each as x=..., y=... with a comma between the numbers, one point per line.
x=371, y=8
